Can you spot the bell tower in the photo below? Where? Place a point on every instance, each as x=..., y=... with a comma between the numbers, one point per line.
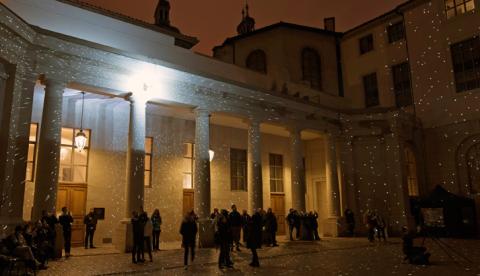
x=248, y=23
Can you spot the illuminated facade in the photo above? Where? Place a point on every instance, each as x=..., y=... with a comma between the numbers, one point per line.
x=317, y=125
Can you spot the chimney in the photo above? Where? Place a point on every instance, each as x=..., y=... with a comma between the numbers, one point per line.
x=329, y=24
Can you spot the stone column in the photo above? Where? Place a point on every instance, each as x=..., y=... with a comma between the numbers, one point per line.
x=135, y=156
x=48, y=164
x=255, y=183
x=333, y=192
x=16, y=116
x=297, y=170
x=347, y=165
x=332, y=176
x=398, y=205
x=202, y=163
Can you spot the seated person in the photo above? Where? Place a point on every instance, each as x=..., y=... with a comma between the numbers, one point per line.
x=414, y=254
x=18, y=247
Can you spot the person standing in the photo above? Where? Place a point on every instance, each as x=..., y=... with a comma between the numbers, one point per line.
x=188, y=230
x=137, y=228
x=271, y=227
x=291, y=222
x=254, y=237
x=90, y=222
x=371, y=223
x=147, y=232
x=314, y=222
x=214, y=214
x=236, y=225
x=224, y=239
x=156, y=224
x=66, y=221
x=380, y=225
x=350, y=220
x=245, y=219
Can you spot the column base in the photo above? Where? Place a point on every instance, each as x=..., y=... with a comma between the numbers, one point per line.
x=8, y=224
x=123, y=239
x=332, y=227
x=206, y=233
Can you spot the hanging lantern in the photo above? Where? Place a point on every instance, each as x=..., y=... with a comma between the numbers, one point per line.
x=80, y=137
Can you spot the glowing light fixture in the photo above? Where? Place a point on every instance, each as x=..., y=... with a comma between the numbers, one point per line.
x=211, y=153
x=80, y=137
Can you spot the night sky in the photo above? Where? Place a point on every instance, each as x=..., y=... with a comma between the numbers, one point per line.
x=211, y=21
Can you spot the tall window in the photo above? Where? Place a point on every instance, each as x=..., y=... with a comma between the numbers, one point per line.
x=371, y=90
x=466, y=64
x=238, y=169
x=312, y=68
x=276, y=173
x=473, y=163
x=401, y=84
x=73, y=163
x=257, y=61
x=396, y=32
x=188, y=165
x=411, y=169
x=32, y=149
x=366, y=44
x=457, y=7
x=148, y=161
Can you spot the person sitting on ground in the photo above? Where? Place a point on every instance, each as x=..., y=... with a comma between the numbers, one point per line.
x=17, y=246
x=414, y=254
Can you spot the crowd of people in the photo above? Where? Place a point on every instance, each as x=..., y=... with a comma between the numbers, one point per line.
x=375, y=225
x=305, y=225
x=146, y=234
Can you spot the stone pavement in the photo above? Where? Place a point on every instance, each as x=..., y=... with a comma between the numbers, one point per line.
x=331, y=256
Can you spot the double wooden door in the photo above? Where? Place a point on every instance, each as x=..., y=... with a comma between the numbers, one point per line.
x=74, y=197
x=188, y=200
x=278, y=208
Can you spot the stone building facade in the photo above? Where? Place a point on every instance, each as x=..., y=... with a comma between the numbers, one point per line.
x=174, y=130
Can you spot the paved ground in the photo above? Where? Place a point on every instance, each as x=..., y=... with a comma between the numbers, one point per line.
x=335, y=256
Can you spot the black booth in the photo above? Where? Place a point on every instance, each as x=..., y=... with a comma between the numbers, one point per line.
x=445, y=214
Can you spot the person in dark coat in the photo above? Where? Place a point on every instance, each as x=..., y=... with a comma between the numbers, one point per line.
x=236, y=226
x=137, y=227
x=66, y=221
x=224, y=239
x=245, y=218
x=291, y=220
x=414, y=254
x=350, y=220
x=49, y=220
x=156, y=229
x=90, y=222
x=189, y=230
x=271, y=227
x=254, y=237
x=314, y=222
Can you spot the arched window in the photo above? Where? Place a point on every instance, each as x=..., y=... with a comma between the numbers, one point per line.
x=311, y=68
x=473, y=163
x=411, y=170
x=257, y=61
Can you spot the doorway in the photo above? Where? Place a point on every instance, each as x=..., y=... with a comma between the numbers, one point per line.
x=188, y=199
x=278, y=208
x=74, y=197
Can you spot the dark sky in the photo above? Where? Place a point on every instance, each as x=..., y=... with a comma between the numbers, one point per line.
x=211, y=21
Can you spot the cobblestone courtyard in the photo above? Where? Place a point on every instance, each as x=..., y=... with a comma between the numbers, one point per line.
x=339, y=256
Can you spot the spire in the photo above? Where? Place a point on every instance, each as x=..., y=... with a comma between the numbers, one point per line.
x=248, y=23
x=162, y=13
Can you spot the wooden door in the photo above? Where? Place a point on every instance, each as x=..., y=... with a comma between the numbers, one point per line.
x=188, y=199
x=74, y=197
x=278, y=208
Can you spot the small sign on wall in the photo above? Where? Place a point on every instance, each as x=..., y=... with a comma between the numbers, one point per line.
x=99, y=213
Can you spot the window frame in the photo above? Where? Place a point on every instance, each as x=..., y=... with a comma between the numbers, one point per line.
x=369, y=44
x=72, y=163
x=191, y=159
x=368, y=92
x=274, y=178
x=257, y=61
x=466, y=79
x=150, y=154
x=31, y=178
x=242, y=166
x=396, y=32
x=312, y=67
x=453, y=11
x=402, y=84
x=412, y=171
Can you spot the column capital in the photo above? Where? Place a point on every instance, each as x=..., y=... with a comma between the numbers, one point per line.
x=294, y=129
x=201, y=112
x=135, y=99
